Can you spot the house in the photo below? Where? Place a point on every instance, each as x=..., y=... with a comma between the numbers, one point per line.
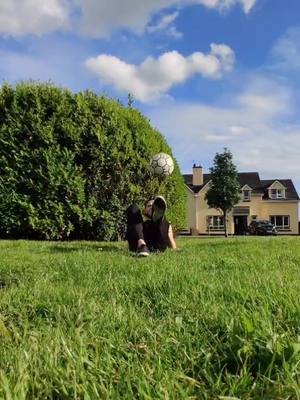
x=275, y=200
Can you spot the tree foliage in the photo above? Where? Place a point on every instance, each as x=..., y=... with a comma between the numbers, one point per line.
x=224, y=189
x=71, y=163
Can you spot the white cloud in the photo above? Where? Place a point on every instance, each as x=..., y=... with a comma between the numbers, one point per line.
x=164, y=22
x=154, y=77
x=262, y=103
x=165, y=25
x=248, y=5
x=100, y=18
x=19, y=18
x=286, y=51
x=234, y=132
x=259, y=123
x=266, y=97
x=226, y=4
x=256, y=127
x=238, y=130
x=95, y=18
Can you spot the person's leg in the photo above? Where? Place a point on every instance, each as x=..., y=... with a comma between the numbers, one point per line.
x=162, y=229
x=135, y=232
x=134, y=226
x=156, y=230
x=150, y=234
x=156, y=234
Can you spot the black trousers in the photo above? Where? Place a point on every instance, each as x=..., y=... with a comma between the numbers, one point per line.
x=155, y=234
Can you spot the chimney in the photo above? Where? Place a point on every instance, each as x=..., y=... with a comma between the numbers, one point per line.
x=197, y=175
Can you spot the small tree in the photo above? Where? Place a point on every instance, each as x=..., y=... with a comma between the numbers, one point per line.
x=224, y=190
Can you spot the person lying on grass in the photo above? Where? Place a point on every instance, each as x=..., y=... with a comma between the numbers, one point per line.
x=154, y=234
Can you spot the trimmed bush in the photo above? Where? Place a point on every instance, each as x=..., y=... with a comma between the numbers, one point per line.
x=71, y=163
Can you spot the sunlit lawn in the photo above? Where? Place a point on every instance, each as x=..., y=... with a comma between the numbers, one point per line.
x=82, y=320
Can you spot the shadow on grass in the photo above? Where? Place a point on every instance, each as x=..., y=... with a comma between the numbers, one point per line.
x=8, y=281
x=70, y=249
x=225, y=243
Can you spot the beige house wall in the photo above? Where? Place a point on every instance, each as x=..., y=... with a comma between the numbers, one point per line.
x=191, y=211
x=203, y=211
x=198, y=211
x=279, y=208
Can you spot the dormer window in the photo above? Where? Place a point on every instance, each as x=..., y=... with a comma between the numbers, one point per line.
x=246, y=195
x=276, y=191
x=277, y=194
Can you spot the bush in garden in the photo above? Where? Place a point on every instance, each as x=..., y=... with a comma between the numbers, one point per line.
x=71, y=163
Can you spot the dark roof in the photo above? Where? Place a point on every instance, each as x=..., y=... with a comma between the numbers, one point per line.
x=188, y=179
x=251, y=179
x=290, y=193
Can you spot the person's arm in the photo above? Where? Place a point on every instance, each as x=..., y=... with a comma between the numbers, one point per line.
x=172, y=243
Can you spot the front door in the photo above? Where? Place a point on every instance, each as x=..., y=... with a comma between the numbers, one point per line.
x=240, y=225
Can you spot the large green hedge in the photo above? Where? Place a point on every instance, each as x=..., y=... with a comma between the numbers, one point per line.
x=71, y=163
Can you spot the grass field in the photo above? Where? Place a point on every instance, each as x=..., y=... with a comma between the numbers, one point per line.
x=218, y=320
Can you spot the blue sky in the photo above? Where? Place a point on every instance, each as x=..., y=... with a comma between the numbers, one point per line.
x=208, y=73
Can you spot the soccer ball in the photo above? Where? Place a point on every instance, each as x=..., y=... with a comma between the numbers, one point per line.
x=161, y=164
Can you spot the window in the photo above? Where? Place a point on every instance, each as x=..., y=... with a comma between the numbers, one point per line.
x=277, y=193
x=281, y=222
x=246, y=195
x=253, y=217
x=215, y=223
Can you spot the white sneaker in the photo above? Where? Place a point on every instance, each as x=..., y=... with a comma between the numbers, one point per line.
x=143, y=251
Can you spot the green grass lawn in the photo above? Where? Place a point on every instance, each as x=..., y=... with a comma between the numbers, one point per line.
x=218, y=320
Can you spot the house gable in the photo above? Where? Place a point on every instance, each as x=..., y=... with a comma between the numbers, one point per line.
x=189, y=189
x=276, y=185
x=188, y=180
x=246, y=187
x=276, y=191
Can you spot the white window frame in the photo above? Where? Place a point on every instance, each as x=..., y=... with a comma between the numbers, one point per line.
x=284, y=226
x=277, y=193
x=214, y=223
x=249, y=195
